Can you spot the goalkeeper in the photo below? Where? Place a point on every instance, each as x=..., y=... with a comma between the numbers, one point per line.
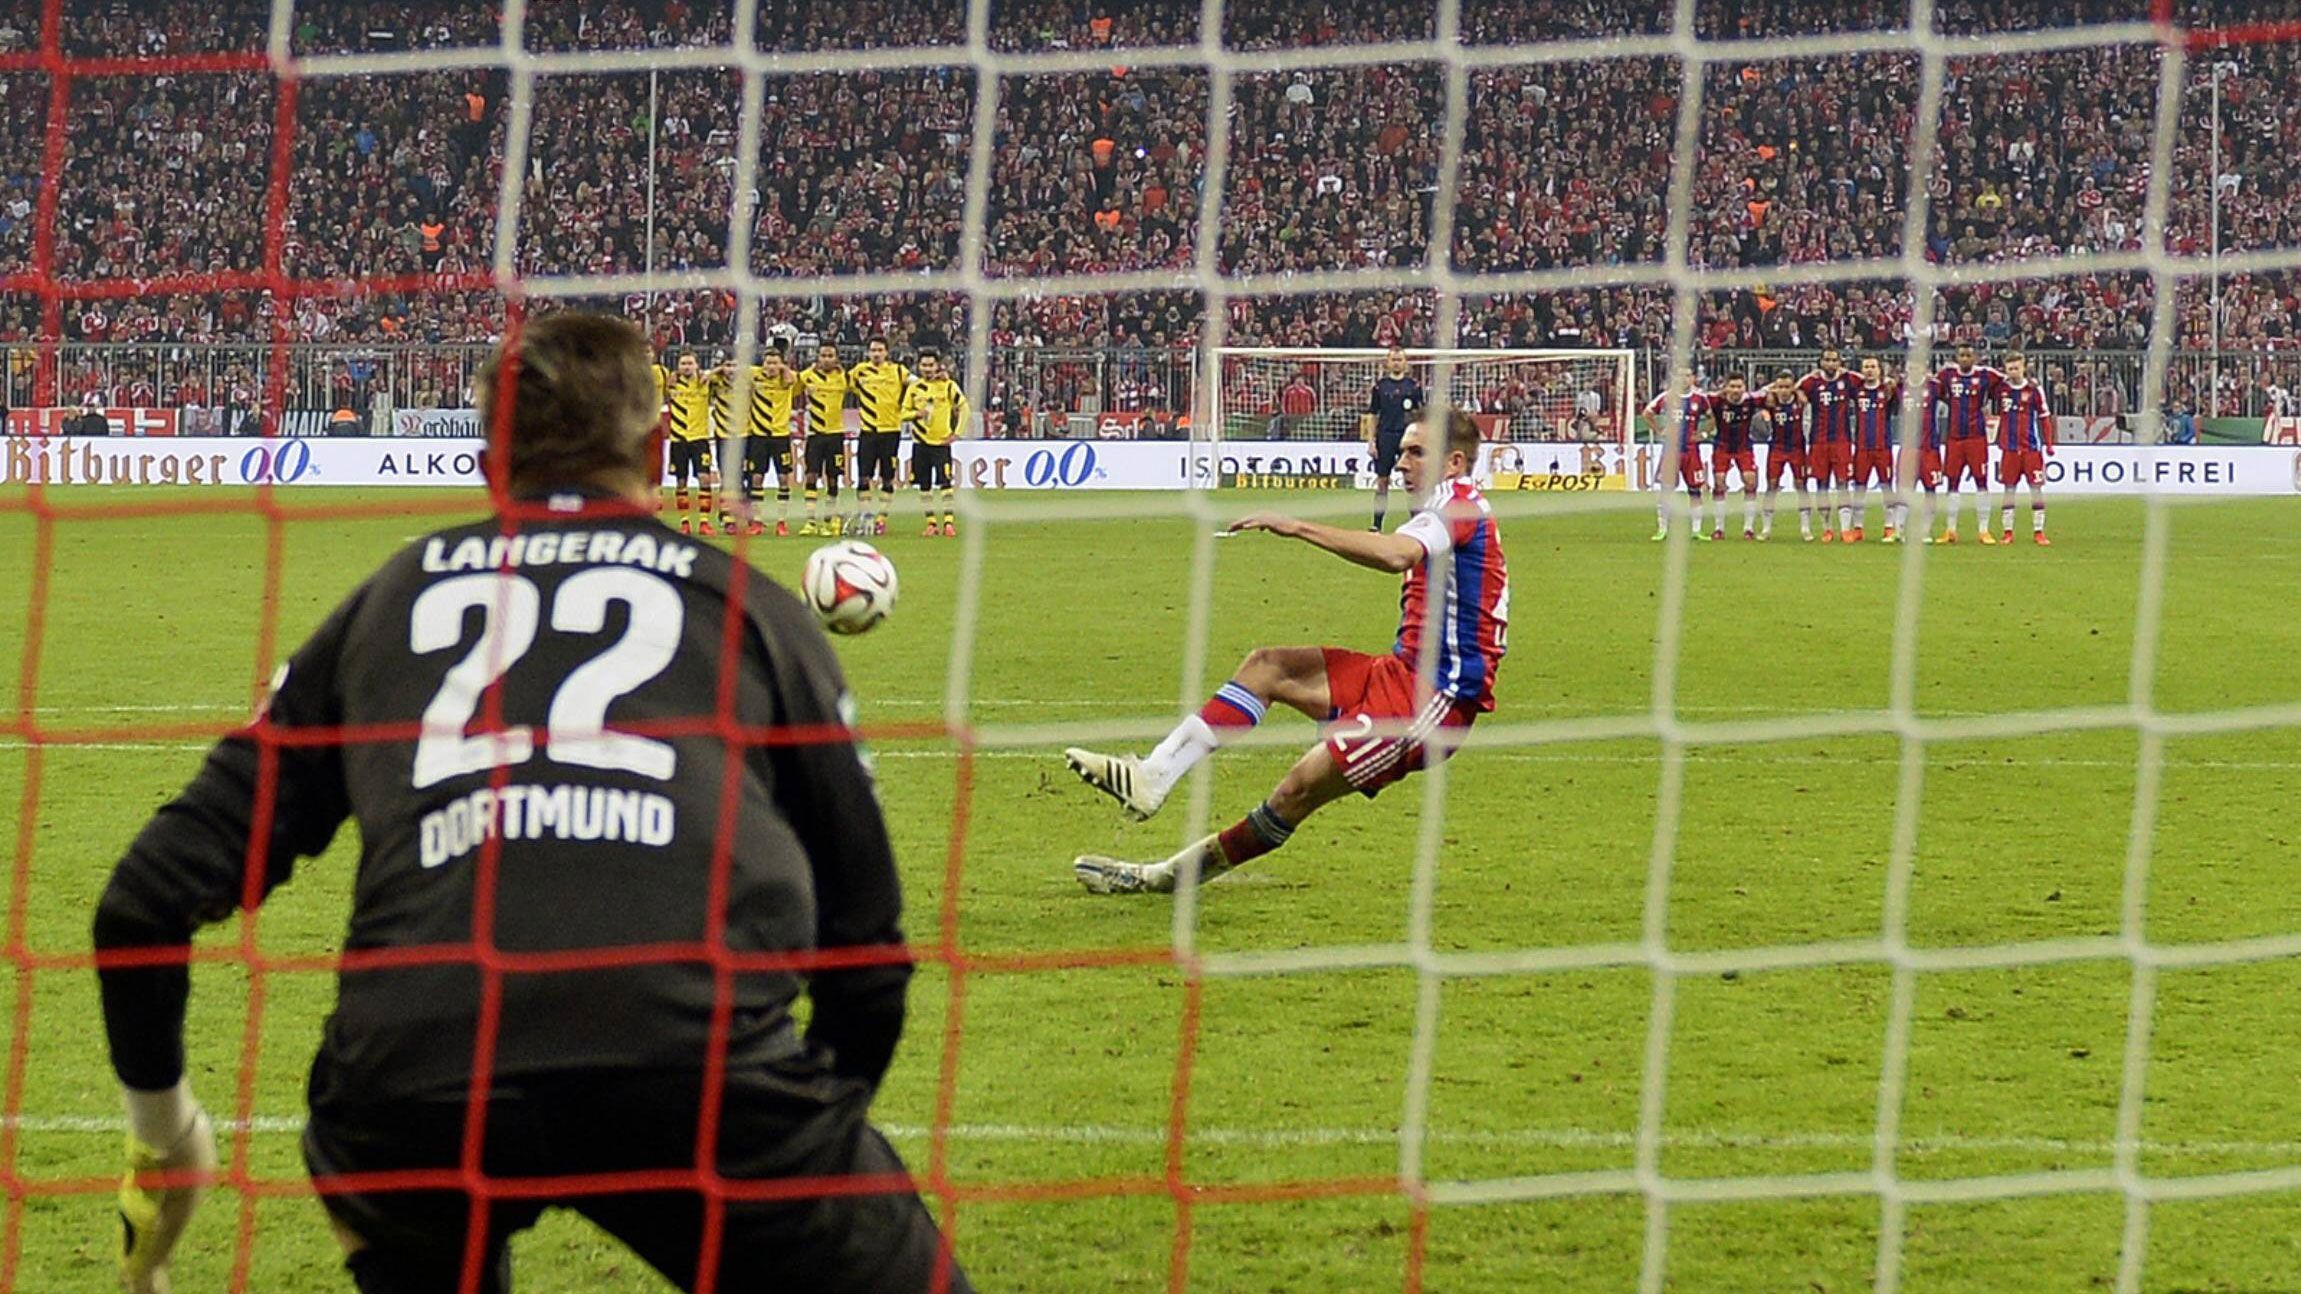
x=594, y=842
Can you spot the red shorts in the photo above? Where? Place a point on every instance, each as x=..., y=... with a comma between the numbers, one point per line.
x=1829, y=462
x=1369, y=690
x=1690, y=472
x=1746, y=460
x=1967, y=458
x=1874, y=467
x=1786, y=462
x=2017, y=465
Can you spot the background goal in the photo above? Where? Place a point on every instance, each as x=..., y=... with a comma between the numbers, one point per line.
x=1515, y=395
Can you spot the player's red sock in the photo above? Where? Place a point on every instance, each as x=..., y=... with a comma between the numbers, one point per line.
x=1232, y=706
x=1254, y=835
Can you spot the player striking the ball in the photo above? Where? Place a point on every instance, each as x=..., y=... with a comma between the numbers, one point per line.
x=1382, y=719
x=1396, y=401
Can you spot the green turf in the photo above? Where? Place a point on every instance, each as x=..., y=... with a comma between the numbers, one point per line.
x=152, y=634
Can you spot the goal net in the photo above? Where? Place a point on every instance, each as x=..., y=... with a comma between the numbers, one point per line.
x=1516, y=396
x=1201, y=191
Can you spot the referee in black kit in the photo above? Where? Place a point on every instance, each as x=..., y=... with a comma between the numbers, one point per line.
x=591, y=618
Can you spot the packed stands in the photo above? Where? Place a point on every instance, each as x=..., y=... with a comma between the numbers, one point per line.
x=1801, y=160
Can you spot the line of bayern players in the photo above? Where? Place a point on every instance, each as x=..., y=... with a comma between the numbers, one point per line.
x=1834, y=434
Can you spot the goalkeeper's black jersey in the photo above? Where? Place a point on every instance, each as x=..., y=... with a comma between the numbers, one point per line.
x=606, y=836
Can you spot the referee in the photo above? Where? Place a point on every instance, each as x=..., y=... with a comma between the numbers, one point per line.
x=589, y=622
x=1395, y=401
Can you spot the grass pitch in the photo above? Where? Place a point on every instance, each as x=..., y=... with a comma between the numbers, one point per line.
x=1067, y=1075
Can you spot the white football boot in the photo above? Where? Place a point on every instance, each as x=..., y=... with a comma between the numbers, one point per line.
x=1112, y=876
x=1120, y=777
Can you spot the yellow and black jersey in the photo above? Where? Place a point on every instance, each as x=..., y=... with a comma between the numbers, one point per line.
x=688, y=401
x=938, y=409
x=724, y=421
x=826, y=391
x=772, y=402
x=879, y=389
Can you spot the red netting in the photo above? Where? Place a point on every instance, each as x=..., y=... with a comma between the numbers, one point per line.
x=48, y=511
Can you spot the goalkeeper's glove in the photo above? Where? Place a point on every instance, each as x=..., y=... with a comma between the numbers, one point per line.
x=153, y=1215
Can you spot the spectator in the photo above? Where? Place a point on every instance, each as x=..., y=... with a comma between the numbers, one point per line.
x=90, y=421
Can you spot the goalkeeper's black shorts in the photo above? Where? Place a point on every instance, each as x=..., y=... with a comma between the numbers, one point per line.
x=773, y=1126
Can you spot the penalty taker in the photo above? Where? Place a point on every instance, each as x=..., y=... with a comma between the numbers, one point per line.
x=1452, y=533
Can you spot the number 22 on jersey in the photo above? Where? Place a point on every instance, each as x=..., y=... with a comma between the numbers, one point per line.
x=511, y=608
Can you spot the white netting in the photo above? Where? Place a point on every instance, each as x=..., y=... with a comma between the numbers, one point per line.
x=1236, y=80
x=1272, y=393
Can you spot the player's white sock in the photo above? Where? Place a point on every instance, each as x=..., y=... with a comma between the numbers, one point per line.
x=1191, y=741
x=1717, y=512
x=1749, y=512
x=1661, y=512
x=1847, y=516
x=2006, y=514
x=2036, y=517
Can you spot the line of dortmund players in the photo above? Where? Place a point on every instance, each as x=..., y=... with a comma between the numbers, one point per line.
x=726, y=430
x=1833, y=435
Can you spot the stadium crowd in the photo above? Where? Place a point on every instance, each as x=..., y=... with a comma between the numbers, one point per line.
x=1563, y=165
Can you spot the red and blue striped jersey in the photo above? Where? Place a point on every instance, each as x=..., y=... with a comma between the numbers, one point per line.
x=1693, y=406
x=1968, y=393
x=1472, y=630
x=1874, y=410
x=2025, y=423
x=1832, y=399
x=1732, y=419
x=1789, y=424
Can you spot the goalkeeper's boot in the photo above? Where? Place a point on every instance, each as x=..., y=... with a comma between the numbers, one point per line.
x=1112, y=876
x=1120, y=777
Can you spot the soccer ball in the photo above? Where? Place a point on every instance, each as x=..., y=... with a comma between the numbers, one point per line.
x=850, y=584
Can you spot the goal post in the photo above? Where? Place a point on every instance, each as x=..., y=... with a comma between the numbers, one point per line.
x=1318, y=394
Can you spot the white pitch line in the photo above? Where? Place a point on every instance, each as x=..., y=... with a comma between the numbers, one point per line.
x=1316, y=1138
